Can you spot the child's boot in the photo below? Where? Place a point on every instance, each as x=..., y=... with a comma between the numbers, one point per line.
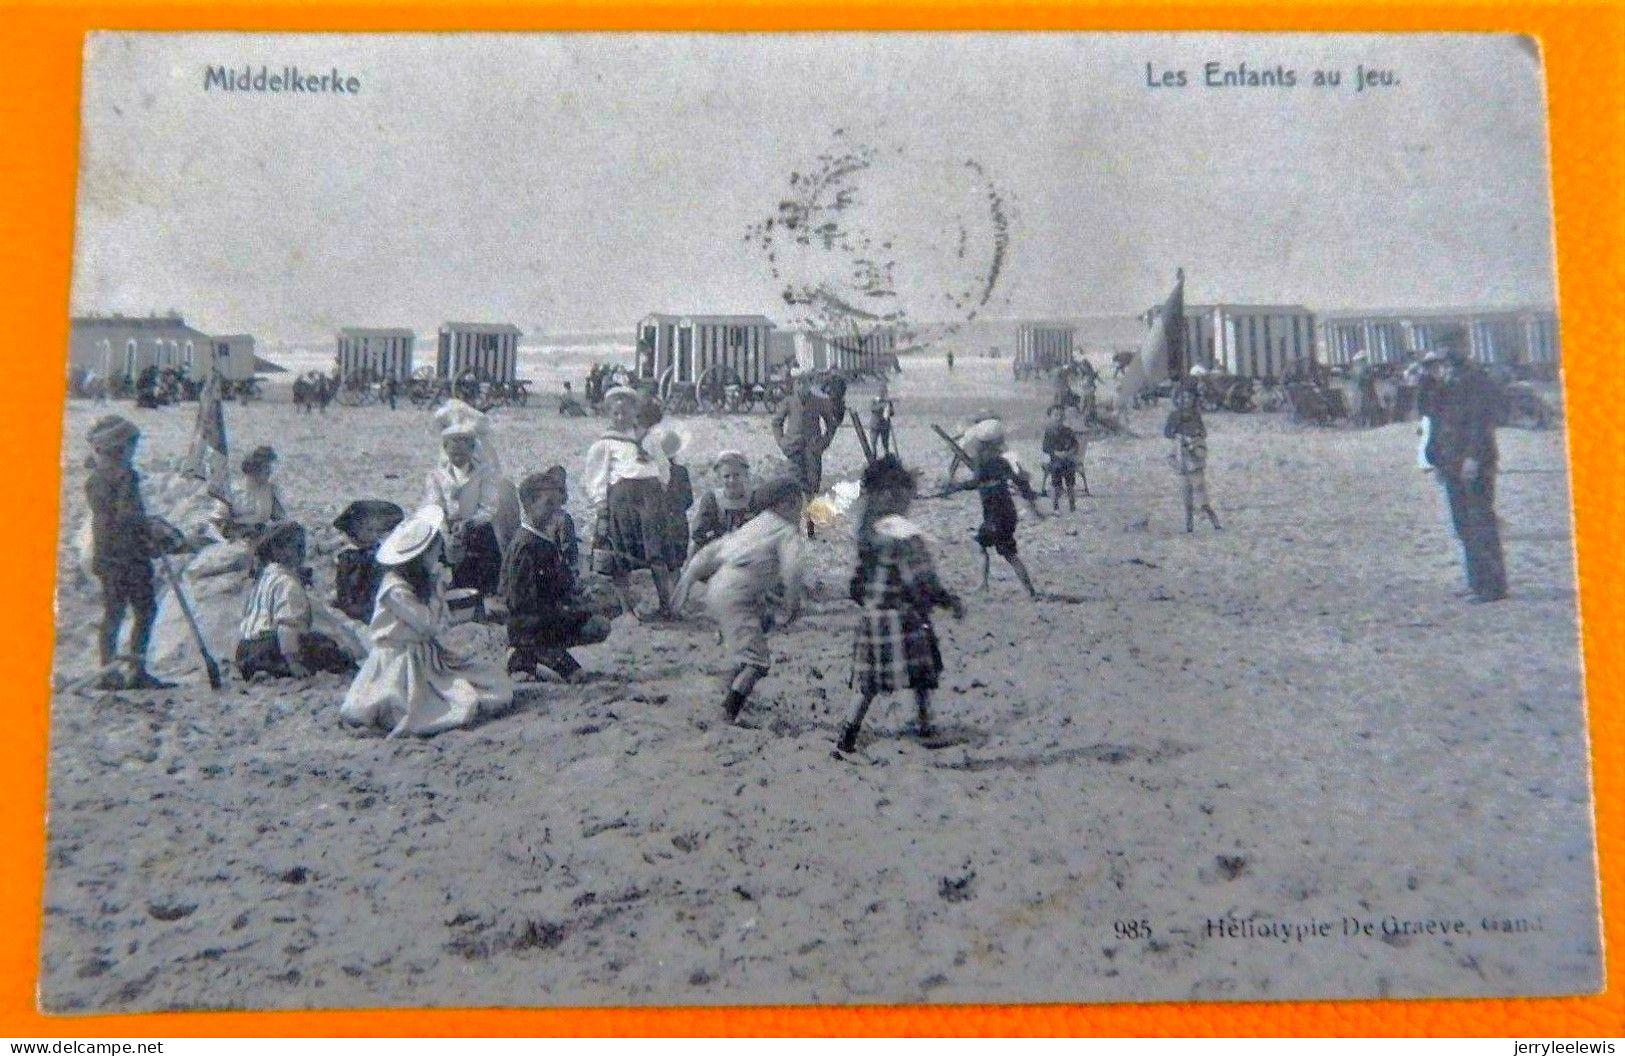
x=1212, y=517
x=733, y=703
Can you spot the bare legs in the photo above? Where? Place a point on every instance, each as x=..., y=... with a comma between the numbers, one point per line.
x=860, y=707
x=1016, y=563
x=744, y=680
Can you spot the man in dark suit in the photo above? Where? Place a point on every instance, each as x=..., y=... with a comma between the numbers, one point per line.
x=1461, y=449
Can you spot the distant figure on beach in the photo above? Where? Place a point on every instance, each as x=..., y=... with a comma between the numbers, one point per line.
x=950, y=361
x=1063, y=455
x=804, y=428
x=1462, y=451
x=569, y=406
x=1189, y=456
x=679, y=500
x=881, y=411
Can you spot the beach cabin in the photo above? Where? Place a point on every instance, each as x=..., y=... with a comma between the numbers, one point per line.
x=233, y=357
x=873, y=352
x=490, y=350
x=1247, y=340
x=376, y=353
x=1509, y=336
x=124, y=346
x=1042, y=347
x=688, y=345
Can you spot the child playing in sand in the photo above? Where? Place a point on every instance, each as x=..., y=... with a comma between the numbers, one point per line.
x=254, y=504
x=679, y=499
x=539, y=588
x=725, y=508
x=997, y=472
x=626, y=486
x=1064, y=452
x=740, y=570
x=122, y=552
x=276, y=635
x=357, y=574
x=412, y=681
x=1189, y=456
x=895, y=647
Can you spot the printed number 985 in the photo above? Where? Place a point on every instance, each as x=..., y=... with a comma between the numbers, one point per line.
x=1132, y=929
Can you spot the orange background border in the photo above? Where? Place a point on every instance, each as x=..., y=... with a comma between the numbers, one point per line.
x=1584, y=49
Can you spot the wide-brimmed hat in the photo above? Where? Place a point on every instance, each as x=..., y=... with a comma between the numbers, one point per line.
x=368, y=509
x=456, y=418
x=259, y=458
x=622, y=392
x=412, y=536
x=275, y=534
x=112, y=431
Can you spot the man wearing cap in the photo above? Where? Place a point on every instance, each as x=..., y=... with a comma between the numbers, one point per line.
x=1461, y=449
x=122, y=550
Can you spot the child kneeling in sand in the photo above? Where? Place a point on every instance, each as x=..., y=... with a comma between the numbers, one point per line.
x=539, y=588
x=278, y=640
x=412, y=681
x=895, y=647
x=740, y=570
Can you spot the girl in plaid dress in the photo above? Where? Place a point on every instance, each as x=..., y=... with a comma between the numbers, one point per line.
x=894, y=647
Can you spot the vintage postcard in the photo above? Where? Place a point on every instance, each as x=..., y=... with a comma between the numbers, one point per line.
x=661, y=519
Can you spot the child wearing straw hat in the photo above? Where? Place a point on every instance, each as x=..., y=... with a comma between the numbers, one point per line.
x=122, y=552
x=626, y=486
x=277, y=639
x=412, y=681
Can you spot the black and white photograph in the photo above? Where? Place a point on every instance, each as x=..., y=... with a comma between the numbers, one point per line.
x=726, y=519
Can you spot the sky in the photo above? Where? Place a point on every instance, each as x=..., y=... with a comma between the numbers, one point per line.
x=580, y=182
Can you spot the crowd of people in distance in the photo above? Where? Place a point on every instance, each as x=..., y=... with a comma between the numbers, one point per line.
x=481, y=548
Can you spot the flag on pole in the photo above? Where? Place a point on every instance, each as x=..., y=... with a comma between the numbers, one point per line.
x=1162, y=356
x=206, y=460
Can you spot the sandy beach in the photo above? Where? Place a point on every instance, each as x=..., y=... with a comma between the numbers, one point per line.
x=1213, y=766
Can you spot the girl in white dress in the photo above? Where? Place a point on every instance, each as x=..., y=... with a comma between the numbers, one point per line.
x=412, y=681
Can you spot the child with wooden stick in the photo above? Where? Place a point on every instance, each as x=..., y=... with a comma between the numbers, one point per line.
x=895, y=647
x=997, y=472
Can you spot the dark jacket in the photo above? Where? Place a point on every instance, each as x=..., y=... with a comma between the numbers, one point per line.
x=539, y=589
x=118, y=520
x=1466, y=410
